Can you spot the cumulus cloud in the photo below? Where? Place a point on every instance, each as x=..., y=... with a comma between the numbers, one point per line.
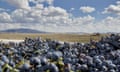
x=54, y=11
x=21, y=16
x=40, y=15
x=110, y=24
x=87, y=9
x=50, y=2
x=5, y=17
x=55, y=19
x=118, y=2
x=83, y=20
x=3, y=10
x=72, y=9
x=24, y=4
x=46, y=18
x=115, y=9
x=19, y=3
x=35, y=19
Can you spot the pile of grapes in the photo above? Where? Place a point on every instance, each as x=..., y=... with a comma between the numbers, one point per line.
x=37, y=55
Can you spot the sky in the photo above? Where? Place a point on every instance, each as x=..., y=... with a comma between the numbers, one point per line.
x=61, y=15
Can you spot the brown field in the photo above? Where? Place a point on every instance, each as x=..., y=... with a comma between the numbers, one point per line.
x=61, y=37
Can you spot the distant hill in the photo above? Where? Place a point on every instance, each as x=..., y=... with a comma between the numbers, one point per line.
x=22, y=30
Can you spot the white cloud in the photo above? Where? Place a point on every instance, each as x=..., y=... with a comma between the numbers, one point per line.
x=55, y=19
x=47, y=18
x=87, y=9
x=21, y=16
x=35, y=20
x=118, y=2
x=112, y=20
x=19, y=3
x=40, y=15
x=54, y=11
x=1, y=9
x=110, y=24
x=71, y=9
x=114, y=9
x=39, y=6
x=50, y=2
x=83, y=20
x=5, y=17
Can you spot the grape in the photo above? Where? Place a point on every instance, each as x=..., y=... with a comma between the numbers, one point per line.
x=36, y=55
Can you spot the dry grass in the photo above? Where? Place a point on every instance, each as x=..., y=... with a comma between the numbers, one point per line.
x=61, y=37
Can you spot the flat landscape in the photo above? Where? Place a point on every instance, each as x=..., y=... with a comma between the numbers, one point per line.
x=60, y=36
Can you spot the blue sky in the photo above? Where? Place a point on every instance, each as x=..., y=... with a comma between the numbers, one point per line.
x=99, y=5
x=85, y=14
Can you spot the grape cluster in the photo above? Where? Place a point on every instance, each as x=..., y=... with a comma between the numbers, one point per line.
x=37, y=55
